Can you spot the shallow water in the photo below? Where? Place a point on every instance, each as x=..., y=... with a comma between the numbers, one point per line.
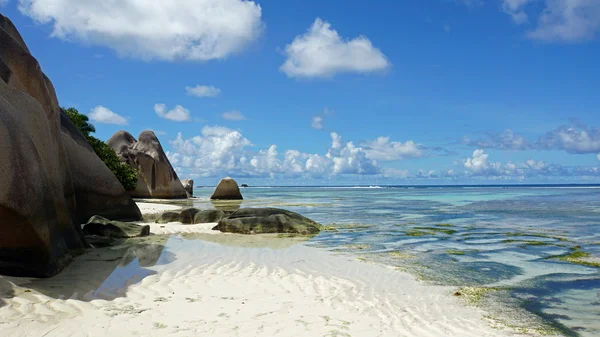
x=504, y=239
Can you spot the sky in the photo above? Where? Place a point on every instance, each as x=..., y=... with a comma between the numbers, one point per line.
x=306, y=92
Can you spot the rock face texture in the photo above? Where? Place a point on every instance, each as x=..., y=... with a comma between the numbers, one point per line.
x=227, y=190
x=97, y=191
x=267, y=220
x=156, y=177
x=188, y=185
x=39, y=196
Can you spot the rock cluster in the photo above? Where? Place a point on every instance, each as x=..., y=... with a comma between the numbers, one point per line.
x=156, y=176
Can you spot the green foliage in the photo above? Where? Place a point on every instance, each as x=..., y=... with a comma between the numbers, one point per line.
x=126, y=174
x=80, y=121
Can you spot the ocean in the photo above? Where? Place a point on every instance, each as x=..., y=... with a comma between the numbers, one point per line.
x=528, y=254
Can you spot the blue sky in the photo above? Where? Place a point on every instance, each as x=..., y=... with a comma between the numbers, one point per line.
x=273, y=92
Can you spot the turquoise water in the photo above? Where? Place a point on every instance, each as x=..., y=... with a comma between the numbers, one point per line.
x=503, y=244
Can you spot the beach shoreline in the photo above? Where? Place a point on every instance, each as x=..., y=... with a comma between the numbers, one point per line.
x=186, y=280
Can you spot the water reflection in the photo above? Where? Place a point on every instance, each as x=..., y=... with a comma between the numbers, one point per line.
x=106, y=272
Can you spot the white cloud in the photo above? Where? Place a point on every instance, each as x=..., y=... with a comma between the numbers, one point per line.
x=234, y=115
x=507, y=140
x=598, y=156
x=3, y=2
x=104, y=115
x=203, y=91
x=220, y=151
x=479, y=165
x=197, y=30
x=568, y=21
x=384, y=150
x=317, y=122
x=177, y=114
x=514, y=8
x=576, y=138
x=322, y=52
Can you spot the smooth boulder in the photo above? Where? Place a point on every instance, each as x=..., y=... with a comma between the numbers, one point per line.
x=100, y=226
x=267, y=220
x=209, y=216
x=156, y=176
x=185, y=216
x=188, y=185
x=227, y=189
x=191, y=216
x=97, y=189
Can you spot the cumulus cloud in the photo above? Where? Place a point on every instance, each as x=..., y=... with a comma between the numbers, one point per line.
x=104, y=115
x=203, y=91
x=567, y=21
x=317, y=122
x=507, y=140
x=480, y=165
x=177, y=114
x=197, y=30
x=222, y=151
x=322, y=52
x=577, y=138
x=234, y=115
x=385, y=150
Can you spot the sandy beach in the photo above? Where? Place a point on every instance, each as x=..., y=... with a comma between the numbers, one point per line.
x=230, y=285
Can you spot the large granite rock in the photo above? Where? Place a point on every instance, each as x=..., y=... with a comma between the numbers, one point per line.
x=188, y=185
x=100, y=226
x=97, y=189
x=156, y=177
x=267, y=220
x=38, y=193
x=227, y=189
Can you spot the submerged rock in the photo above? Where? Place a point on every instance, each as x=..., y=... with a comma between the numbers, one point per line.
x=156, y=177
x=267, y=220
x=100, y=226
x=227, y=189
x=188, y=185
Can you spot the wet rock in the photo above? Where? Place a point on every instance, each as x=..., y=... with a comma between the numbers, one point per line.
x=267, y=220
x=100, y=226
x=227, y=189
x=191, y=216
x=186, y=216
x=209, y=216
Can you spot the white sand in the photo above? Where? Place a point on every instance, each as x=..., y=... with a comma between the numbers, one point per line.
x=209, y=284
x=178, y=227
x=153, y=208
